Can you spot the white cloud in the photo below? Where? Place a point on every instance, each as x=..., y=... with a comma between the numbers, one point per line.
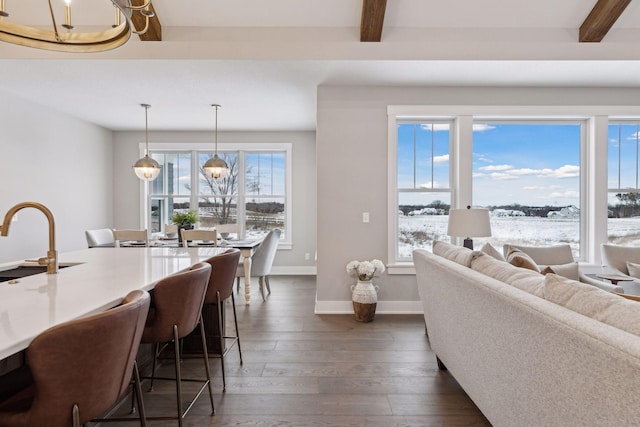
x=569, y=194
x=436, y=184
x=566, y=171
x=478, y=175
x=482, y=127
x=542, y=187
x=483, y=158
x=441, y=159
x=500, y=176
x=496, y=168
x=437, y=127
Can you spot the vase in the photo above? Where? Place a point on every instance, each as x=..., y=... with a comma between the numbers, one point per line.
x=364, y=296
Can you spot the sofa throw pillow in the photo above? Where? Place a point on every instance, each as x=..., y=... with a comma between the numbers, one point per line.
x=454, y=253
x=521, y=278
x=634, y=269
x=520, y=259
x=593, y=302
x=490, y=250
x=569, y=270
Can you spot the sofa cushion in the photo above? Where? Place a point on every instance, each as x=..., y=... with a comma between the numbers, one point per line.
x=454, y=253
x=593, y=302
x=634, y=269
x=521, y=278
x=570, y=270
x=490, y=250
x=520, y=259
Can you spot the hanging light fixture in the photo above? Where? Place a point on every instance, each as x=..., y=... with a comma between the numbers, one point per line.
x=146, y=168
x=216, y=167
x=65, y=39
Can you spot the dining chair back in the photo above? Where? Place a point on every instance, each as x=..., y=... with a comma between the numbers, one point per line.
x=80, y=368
x=223, y=272
x=225, y=230
x=176, y=312
x=171, y=231
x=99, y=237
x=203, y=237
x=131, y=237
x=262, y=260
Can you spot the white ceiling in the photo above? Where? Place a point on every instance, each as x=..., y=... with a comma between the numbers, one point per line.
x=263, y=61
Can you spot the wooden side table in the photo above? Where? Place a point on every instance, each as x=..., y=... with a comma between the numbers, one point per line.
x=614, y=278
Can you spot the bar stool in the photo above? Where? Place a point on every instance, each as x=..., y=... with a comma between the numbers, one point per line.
x=223, y=273
x=80, y=368
x=176, y=311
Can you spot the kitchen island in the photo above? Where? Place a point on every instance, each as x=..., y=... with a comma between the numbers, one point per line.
x=91, y=281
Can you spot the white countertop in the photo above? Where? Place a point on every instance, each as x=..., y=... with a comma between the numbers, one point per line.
x=102, y=277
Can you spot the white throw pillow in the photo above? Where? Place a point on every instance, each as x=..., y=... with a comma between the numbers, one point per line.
x=593, y=302
x=521, y=278
x=570, y=270
x=454, y=253
x=634, y=269
x=490, y=250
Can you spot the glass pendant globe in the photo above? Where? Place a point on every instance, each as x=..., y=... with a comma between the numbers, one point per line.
x=216, y=168
x=146, y=168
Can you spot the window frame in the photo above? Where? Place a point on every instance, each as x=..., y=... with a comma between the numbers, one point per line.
x=241, y=148
x=593, y=160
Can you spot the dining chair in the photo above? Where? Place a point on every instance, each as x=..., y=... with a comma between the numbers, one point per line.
x=223, y=272
x=102, y=237
x=81, y=368
x=131, y=238
x=171, y=231
x=204, y=237
x=261, y=261
x=176, y=312
x=224, y=230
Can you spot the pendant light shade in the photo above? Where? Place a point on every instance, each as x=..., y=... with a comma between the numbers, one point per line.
x=146, y=168
x=216, y=167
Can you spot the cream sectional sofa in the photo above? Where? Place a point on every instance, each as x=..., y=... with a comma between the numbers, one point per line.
x=531, y=349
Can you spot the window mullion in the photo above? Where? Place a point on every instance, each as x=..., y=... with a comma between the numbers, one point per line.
x=240, y=201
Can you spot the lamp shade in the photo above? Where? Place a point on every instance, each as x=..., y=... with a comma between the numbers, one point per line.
x=469, y=223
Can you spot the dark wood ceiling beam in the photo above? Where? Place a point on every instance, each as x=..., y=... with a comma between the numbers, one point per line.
x=601, y=18
x=372, y=20
x=154, y=32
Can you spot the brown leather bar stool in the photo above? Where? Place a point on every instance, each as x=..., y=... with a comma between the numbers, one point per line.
x=80, y=368
x=223, y=273
x=176, y=311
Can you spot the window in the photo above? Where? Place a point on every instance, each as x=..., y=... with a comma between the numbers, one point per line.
x=423, y=184
x=623, y=213
x=256, y=195
x=528, y=175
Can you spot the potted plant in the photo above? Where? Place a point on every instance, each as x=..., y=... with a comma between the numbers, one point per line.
x=365, y=293
x=184, y=220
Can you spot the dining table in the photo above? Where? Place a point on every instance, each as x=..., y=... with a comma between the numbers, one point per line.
x=247, y=248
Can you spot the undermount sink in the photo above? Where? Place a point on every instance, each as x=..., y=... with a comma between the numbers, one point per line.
x=26, y=270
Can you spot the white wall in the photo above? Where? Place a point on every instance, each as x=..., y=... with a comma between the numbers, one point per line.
x=59, y=161
x=352, y=169
x=127, y=186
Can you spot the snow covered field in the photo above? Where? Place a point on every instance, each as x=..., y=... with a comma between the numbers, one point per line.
x=420, y=231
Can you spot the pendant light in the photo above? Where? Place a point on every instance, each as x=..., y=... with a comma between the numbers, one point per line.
x=215, y=167
x=146, y=168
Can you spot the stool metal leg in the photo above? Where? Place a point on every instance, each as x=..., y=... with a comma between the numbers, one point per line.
x=206, y=363
x=235, y=319
x=176, y=350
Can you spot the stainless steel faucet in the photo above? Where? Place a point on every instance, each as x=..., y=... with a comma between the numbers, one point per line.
x=51, y=260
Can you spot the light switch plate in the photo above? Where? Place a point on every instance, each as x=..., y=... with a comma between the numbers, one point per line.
x=365, y=217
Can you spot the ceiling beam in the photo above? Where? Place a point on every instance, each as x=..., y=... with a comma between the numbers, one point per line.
x=154, y=32
x=601, y=18
x=372, y=20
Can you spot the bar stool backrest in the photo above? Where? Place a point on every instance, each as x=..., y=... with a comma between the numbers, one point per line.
x=223, y=274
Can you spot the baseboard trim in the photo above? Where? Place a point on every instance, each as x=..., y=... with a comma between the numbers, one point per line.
x=293, y=271
x=383, y=307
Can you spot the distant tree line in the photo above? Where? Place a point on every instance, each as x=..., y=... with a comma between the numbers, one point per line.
x=628, y=206
x=538, y=211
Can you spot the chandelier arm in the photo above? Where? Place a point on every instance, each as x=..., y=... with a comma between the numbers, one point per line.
x=53, y=21
x=144, y=30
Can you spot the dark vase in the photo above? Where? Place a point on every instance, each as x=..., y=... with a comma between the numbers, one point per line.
x=183, y=227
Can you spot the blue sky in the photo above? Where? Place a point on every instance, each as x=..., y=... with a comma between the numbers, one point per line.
x=529, y=164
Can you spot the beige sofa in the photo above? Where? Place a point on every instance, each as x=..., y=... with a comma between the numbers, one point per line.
x=522, y=358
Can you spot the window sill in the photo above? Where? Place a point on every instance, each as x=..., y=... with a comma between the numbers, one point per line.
x=401, y=268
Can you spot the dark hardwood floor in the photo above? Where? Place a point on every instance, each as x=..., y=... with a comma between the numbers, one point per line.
x=302, y=369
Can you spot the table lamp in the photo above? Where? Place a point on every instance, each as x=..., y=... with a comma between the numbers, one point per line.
x=469, y=223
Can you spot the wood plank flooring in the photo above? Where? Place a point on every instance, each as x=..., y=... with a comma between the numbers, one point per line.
x=307, y=370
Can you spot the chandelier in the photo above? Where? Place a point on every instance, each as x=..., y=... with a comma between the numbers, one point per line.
x=65, y=38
